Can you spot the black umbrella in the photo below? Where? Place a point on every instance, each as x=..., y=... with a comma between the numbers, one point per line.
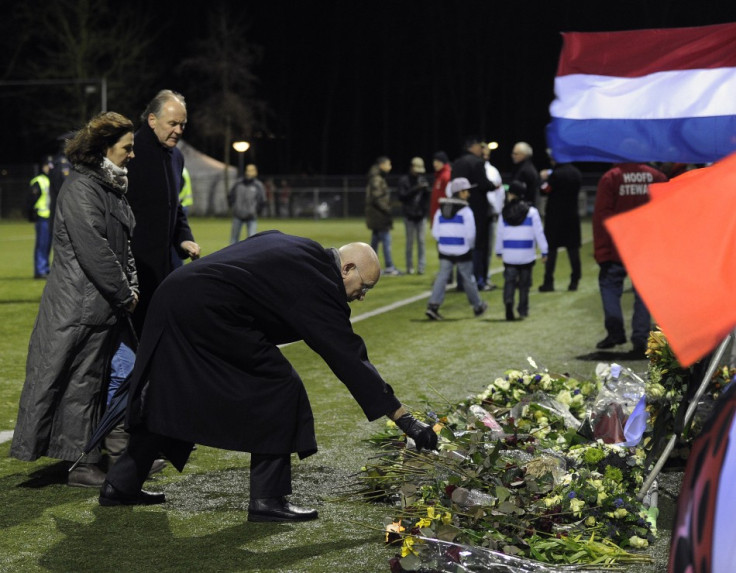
x=115, y=411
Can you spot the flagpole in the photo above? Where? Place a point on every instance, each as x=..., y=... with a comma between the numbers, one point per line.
x=688, y=416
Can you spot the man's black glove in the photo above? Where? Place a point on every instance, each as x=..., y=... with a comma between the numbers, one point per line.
x=422, y=434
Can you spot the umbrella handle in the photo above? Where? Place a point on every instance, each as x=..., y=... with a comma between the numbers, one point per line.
x=75, y=464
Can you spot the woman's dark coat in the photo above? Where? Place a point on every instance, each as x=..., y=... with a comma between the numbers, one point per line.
x=91, y=281
x=208, y=353
x=154, y=182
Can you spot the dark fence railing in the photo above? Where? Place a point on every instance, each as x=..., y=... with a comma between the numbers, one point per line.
x=292, y=196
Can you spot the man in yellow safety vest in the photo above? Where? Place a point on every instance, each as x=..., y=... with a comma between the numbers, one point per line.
x=39, y=212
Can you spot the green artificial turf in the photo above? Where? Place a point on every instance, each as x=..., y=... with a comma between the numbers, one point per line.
x=47, y=526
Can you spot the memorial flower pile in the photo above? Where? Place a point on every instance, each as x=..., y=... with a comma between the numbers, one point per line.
x=513, y=477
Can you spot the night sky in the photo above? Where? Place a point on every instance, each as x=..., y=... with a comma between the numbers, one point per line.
x=345, y=81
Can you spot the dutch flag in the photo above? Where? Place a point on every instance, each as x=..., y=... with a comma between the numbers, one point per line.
x=645, y=95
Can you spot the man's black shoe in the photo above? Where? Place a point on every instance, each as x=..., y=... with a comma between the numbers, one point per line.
x=609, y=342
x=546, y=287
x=510, y=312
x=111, y=496
x=277, y=509
x=573, y=285
x=639, y=352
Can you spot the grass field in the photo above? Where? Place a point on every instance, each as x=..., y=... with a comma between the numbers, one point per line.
x=47, y=526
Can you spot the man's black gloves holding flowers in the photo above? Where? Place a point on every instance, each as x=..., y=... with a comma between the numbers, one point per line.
x=422, y=434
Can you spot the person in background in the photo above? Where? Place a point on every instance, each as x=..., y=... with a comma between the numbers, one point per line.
x=186, y=200
x=209, y=369
x=91, y=289
x=247, y=197
x=378, y=216
x=496, y=199
x=414, y=194
x=470, y=165
x=454, y=230
x=623, y=187
x=39, y=213
x=561, y=185
x=60, y=169
x=442, y=176
x=518, y=235
x=186, y=197
x=524, y=171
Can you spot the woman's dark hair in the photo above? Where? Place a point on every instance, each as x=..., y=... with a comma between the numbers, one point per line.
x=89, y=144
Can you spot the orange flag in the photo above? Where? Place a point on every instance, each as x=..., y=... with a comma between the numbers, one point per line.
x=680, y=252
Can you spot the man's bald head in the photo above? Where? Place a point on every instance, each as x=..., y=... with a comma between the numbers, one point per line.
x=360, y=269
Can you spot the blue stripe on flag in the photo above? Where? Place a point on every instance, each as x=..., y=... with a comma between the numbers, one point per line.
x=452, y=241
x=455, y=219
x=518, y=244
x=684, y=140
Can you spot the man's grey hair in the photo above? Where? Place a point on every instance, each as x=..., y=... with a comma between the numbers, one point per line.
x=157, y=103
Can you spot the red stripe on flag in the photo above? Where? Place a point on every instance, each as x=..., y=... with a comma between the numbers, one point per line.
x=679, y=252
x=637, y=53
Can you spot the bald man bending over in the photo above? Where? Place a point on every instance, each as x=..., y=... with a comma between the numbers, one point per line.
x=208, y=370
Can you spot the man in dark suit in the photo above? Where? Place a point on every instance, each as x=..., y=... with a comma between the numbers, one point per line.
x=208, y=369
x=524, y=171
x=154, y=182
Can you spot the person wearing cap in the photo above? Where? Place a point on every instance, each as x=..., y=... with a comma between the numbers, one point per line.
x=454, y=229
x=414, y=194
x=518, y=235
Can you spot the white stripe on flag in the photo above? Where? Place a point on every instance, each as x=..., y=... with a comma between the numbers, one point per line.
x=663, y=95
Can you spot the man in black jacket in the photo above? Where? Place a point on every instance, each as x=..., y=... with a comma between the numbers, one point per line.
x=209, y=370
x=525, y=172
x=471, y=165
x=154, y=182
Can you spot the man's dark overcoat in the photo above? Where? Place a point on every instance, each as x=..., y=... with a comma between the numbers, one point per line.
x=154, y=182
x=561, y=215
x=208, y=369
x=528, y=174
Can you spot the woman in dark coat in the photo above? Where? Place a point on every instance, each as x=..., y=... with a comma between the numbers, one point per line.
x=91, y=286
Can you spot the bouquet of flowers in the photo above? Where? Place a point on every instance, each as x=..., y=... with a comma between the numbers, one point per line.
x=669, y=389
x=514, y=478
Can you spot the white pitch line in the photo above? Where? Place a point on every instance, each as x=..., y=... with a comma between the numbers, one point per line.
x=6, y=436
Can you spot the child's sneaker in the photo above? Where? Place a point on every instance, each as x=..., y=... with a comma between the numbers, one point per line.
x=480, y=309
x=433, y=312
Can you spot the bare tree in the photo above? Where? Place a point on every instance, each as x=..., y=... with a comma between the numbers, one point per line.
x=68, y=41
x=223, y=83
